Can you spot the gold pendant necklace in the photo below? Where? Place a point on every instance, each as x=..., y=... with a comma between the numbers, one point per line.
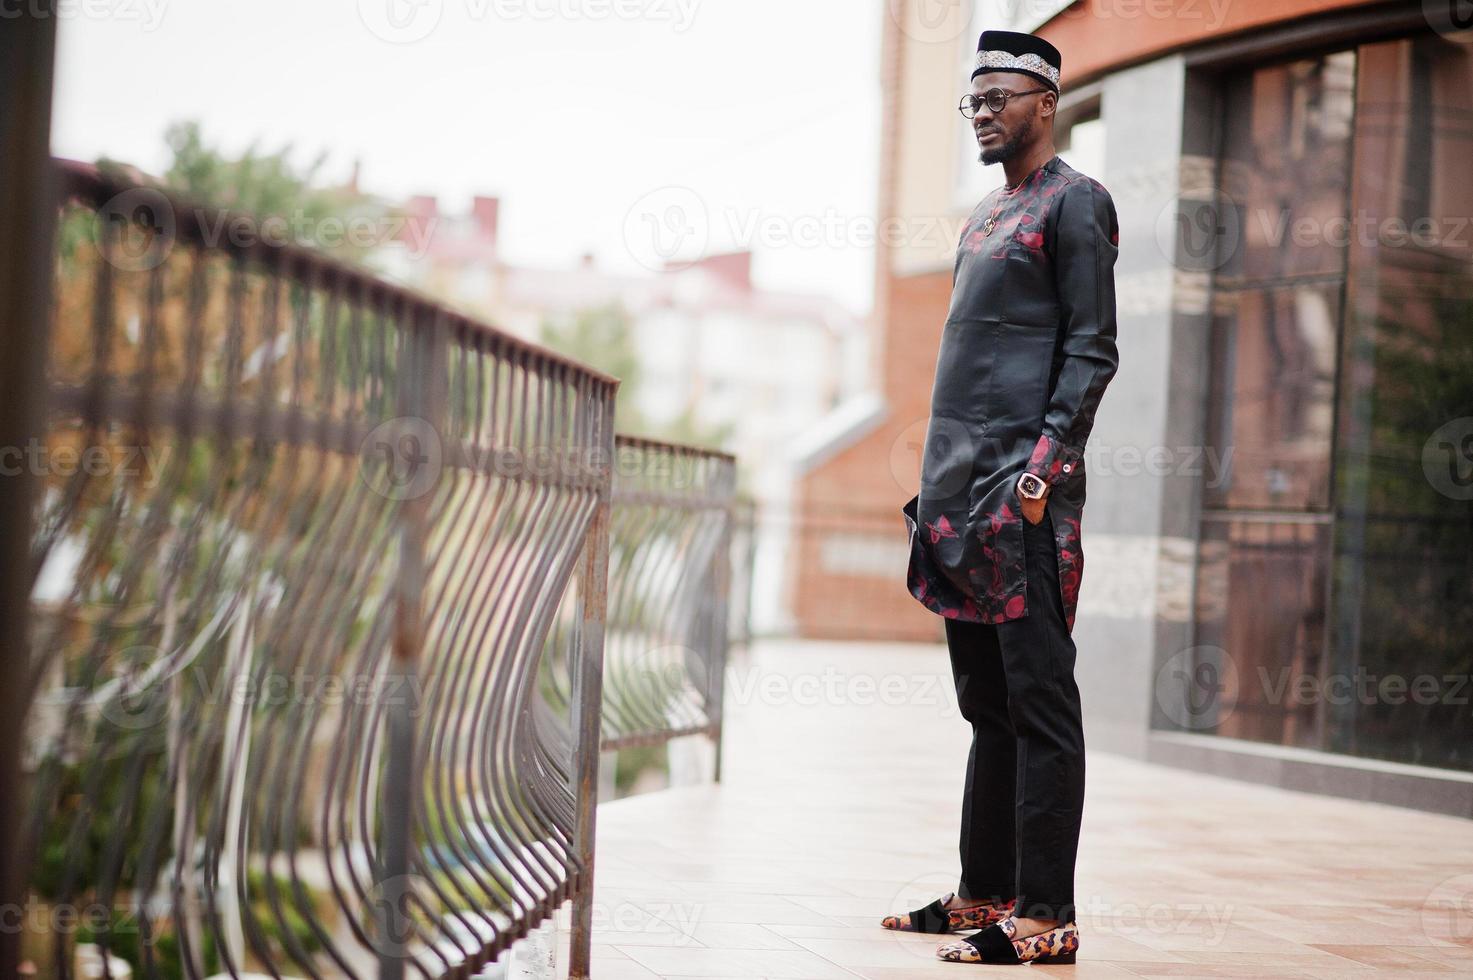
x=991, y=221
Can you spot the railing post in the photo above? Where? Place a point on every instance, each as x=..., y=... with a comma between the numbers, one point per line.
x=419, y=401
x=720, y=619
x=27, y=48
x=593, y=589
x=749, y=521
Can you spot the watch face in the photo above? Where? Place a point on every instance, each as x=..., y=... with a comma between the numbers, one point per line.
x=1032, y=486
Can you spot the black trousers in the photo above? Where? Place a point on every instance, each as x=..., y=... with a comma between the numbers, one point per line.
x=1024, y=793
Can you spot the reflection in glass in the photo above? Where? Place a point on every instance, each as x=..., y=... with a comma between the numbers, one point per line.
x=1285, y=169
x=1336, y=563
x=1272, y=411
x=1278, y=571
x=1403, y=574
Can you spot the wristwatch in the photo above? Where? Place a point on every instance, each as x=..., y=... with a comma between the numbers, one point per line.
x=1032, y=486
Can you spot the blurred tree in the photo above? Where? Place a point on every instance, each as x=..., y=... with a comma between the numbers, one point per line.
x=1404, y=542
x=338, y=219
x=603, y=337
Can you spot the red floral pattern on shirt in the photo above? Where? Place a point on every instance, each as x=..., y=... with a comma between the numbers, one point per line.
x=968, y=558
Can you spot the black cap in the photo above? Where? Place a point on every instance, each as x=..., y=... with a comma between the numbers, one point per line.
x=1026, y=54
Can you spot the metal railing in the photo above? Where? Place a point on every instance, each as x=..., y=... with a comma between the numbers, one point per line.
x=670, y=577
x=301, y=541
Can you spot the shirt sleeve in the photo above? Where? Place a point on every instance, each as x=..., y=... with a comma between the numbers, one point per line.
x=1086, y=243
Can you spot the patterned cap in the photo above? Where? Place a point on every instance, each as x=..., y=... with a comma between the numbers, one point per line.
x=1015, y=51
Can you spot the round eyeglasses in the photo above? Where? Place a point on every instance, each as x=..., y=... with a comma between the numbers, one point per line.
x=995, y=99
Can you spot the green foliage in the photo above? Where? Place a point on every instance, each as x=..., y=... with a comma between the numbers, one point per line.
x=127, y=790
x=631, y=763
x=1404, y=547
x=156, y=953
x=268, y=185
x=466, y=893
x=687, y=429
x=296, y=923
x=603, y=337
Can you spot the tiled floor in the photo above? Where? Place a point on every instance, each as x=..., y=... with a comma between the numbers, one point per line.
x=839, y=804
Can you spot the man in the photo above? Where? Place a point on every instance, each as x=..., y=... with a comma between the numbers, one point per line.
x=1026, y=353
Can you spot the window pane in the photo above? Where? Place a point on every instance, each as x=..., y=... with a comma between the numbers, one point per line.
x=1404, y=459
x=1271, y=407
x=1261, y=590
x=1286, y=156
x=1350, y=631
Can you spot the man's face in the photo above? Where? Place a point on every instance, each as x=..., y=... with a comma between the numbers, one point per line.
x=1002, y=135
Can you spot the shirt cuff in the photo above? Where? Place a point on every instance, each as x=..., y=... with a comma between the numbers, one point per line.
x=1052, y=460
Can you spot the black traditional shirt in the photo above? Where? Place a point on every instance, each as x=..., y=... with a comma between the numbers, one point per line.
x=1026, y=353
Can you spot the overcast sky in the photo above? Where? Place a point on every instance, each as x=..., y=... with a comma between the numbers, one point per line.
x=572, y=111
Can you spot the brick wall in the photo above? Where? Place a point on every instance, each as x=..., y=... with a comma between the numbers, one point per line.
x=850, y=535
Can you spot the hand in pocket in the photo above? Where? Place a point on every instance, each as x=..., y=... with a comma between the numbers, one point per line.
x=1032, y=509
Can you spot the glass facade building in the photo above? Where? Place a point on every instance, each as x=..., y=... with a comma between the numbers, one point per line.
x=1280, y=520
x=1336, y=552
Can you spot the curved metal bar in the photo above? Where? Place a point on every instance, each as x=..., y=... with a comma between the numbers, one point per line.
x=288, y=709
x=674, y=514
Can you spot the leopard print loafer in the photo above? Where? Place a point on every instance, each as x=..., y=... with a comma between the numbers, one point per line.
x=936, y=917
x=996, y=944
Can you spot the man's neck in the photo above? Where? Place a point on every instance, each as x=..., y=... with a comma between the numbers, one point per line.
x=1023, y=164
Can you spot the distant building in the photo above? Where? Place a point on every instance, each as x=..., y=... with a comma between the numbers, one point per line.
x=710, y=343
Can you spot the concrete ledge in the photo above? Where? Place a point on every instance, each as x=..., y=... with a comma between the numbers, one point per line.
x=1418, y=787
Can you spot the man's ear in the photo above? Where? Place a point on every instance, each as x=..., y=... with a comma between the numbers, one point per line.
x=1049, y=104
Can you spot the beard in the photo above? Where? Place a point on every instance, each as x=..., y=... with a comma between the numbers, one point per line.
x=1010, y=146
